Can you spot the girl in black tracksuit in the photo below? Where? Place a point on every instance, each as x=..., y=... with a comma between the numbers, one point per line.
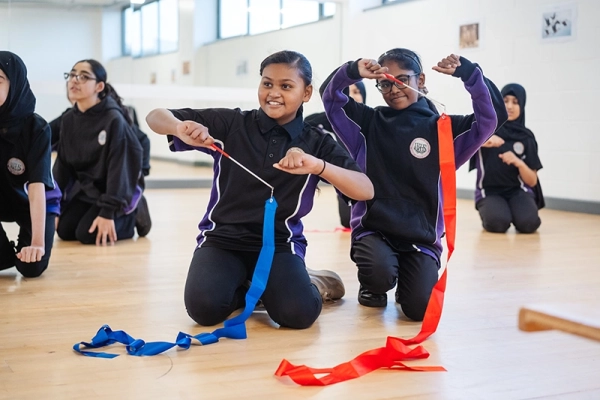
x=397, y=236
x=99, y=161
x=28, y=194
x=508, y=190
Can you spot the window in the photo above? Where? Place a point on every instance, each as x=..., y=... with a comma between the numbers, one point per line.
x=251, y=17
x=151, y=28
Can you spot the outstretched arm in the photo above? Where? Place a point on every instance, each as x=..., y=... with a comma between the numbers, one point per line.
x=353, y=184
x=163, y=122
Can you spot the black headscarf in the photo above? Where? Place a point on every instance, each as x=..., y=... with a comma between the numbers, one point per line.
x=363, y=91
x=20, y=102
x=515, y=129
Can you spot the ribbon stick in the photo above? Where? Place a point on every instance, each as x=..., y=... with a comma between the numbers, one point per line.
x=215, y=147
x=396, y=349
x=234, y=328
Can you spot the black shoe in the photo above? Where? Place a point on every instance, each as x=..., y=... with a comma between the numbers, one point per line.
x=370, y=299
x=143, y=223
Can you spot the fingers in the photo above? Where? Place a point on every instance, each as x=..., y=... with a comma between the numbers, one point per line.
x=31, y=254
x=371, y=69
x=448, y=64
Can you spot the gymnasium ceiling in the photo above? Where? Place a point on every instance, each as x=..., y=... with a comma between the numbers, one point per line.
x=68, y=3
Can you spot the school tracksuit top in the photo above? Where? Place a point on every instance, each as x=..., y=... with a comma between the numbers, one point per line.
x=99, y=159
x=398, y=150
x=234, y=214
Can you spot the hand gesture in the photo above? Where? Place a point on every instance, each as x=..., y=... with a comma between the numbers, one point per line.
x=493, y=141
x=31, y=254
x=297, y=162
x=105, y=230
x=448, y=64
x=194, y=134
x=371, y=69
x=510, y=158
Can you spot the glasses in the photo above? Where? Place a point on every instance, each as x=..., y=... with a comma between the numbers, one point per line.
x=78, y=78
x=400, y=82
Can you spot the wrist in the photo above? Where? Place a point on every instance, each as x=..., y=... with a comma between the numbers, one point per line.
x=323, y=169
x=295, y=150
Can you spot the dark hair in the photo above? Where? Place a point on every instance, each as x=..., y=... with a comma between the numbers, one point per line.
x=406, y=59
x=108, y=90
x=293, y=59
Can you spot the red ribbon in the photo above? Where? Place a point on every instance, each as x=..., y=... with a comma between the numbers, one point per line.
x=396, y=349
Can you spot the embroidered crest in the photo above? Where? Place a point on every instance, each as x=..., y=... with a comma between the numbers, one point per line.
x=420, y=148
x=102, y=137
x=518, y=148
x=16, y=166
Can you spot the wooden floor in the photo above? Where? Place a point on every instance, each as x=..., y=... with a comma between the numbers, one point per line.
x=137, y=286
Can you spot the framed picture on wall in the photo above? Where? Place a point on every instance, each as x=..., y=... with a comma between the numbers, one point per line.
x=469, y=36
x=558, y=22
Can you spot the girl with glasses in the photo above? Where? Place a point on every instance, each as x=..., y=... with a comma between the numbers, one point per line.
x=396, y=236
x=28, y=194
x=99, y=161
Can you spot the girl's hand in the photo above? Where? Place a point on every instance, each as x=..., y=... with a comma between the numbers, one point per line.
x=194, y=134
x=105, y=230
x=371, y=69
x=31, y=254
x=510, y=158
x=448, y=65
x=493, y=141
x=297, y=162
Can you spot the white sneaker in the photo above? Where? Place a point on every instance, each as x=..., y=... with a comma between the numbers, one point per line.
x=328, y=283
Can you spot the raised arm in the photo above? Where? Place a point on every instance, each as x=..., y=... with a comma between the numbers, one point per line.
x=472, y=131
x=349, y=119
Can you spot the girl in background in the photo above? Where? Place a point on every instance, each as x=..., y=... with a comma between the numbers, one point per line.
x=99, y=161
x=508, y=190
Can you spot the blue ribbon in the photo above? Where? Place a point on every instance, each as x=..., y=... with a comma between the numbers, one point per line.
x=234, y=328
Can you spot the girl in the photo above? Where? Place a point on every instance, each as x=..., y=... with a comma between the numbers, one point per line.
x=28, y=195
x=276, y=144
x=99, y=161
x=396, y=237
x=508, y=190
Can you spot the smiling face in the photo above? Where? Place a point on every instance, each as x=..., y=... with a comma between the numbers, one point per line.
x=512, y=107
x=83, y=92
x=399, y=99
x=4, y=87
x=282, y=91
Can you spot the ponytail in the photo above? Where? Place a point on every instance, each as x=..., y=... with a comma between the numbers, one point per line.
x=109, y=90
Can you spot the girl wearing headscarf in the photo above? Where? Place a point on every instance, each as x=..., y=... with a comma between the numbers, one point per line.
x=28, y=195
x=508, y=190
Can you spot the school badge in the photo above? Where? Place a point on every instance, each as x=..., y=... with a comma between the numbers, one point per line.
x=16, y=166
x=420, y=148
x=518, y=148
x=102, y=137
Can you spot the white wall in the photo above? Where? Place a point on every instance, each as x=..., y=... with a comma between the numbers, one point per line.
x=50, y=40
x=560, y=77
